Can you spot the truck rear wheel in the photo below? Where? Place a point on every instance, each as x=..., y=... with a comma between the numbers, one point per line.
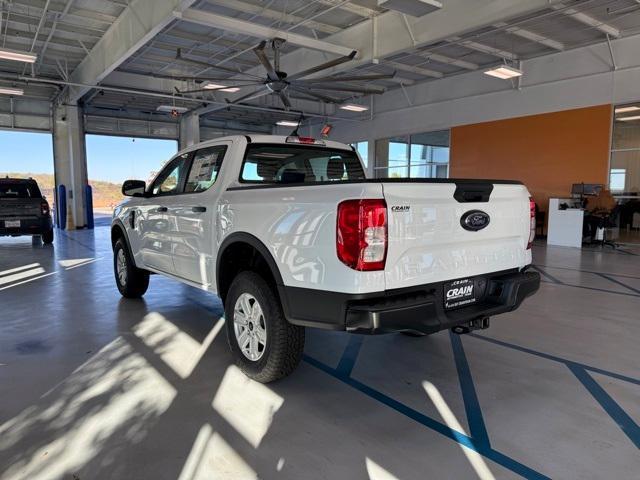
x=132, y=281
x=47, y=237
x=266, y=347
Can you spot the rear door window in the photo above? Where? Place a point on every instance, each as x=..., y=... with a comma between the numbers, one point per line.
x=19, y=190
x=299, y=164
x=204, y=168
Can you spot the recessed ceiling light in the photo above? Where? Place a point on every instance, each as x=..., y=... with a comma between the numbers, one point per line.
x=352, y=107
x=171, y=109
x=222, y=88
x=628, y=119
x=11, y=91
x=287, y=123
x=504, y=72
x=627, y=109
x=17, y=55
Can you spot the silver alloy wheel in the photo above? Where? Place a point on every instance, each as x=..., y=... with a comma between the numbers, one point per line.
x=121, y=267
x=249, y=327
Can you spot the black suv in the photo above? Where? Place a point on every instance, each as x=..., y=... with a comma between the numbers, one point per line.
x=23, y=209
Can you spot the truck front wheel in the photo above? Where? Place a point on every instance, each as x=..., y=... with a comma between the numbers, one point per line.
x=266, y=347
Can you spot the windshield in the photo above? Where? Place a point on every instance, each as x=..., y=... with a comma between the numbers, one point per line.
x=19, y=190
x=299, y=164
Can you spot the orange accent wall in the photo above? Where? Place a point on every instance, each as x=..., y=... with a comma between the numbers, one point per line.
x=547, y=152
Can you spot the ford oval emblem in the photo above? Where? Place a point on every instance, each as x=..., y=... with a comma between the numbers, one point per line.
x=474, y=220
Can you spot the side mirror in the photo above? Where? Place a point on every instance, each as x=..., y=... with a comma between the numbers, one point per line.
x=134, y=188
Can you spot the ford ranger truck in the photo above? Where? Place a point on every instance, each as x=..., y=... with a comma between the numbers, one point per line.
x=290, y=234
x=24, y=210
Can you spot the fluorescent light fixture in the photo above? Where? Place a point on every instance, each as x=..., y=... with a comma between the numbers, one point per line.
x=504, y=72
x=11, y=91
x=18, y=56
x=287, y=123
x=352, y=107
x=628, y=119
x=222, y=88
x=627, y=109
x=172, y=108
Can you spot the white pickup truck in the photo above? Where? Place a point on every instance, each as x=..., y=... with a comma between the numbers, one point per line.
x=289, y=233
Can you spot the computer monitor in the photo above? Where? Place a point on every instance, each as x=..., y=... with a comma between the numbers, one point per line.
x=585, y=189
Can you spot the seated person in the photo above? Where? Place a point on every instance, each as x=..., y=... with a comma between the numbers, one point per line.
x=597, y=209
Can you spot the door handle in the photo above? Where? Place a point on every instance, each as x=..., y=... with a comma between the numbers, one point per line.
x=163, y=209
x=199, y=209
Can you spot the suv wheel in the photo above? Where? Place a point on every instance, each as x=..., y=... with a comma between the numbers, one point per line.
x=132, y=281
x=266, y=347
x=47, y=237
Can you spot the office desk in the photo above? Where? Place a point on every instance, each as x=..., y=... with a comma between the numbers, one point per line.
x=565, y=226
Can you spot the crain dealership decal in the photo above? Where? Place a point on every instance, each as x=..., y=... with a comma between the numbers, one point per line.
x=459, y=293
x=400, y=208
x=474, y=220
x=454, y=293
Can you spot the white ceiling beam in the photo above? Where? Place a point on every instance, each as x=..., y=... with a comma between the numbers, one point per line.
x=588, y=20
x=257, y=31
x=274, y=15
x=481, y=47
x=351, y=7
x=529, y=35
x=413, y=69
x=436, y=57
x=140, y=21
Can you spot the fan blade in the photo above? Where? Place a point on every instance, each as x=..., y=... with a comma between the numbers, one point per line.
x=319, y=96
x=346, y=88
x=239, y=85
x=354, y=78
x=323, y=66
x=285, y=100
x=208, y=65
x=259, y=51
x=251, y=96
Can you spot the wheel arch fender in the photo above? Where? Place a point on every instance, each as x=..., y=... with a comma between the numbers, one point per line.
x=118, y=231
x=238, y=239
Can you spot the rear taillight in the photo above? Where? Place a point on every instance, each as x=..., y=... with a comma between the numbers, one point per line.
x=532, y=222
x=361, y=236
x=44, y=207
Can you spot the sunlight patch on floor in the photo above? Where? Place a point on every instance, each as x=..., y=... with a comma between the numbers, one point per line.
x=211, y=458
x=176, y=348
x=107, y=404
x=474, y=458
x=247, y=405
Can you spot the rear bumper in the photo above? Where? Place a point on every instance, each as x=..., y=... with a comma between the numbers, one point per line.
x=418, y=309
x=28, y=226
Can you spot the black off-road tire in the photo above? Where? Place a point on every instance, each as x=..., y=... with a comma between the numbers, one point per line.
x=285, y=342
x=137, y=280
x=47, y=237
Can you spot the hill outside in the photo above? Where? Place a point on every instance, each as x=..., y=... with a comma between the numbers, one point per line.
x=106, y=195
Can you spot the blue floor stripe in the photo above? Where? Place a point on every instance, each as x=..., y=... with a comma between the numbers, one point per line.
x=607, y=277
x=624, y=421
x=545, y=274
x=461, y=438
x=591, y=288
x=554, y=358
x=471, y=404
x=350, y=355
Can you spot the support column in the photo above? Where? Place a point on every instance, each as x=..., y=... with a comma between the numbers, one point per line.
x=189, y=130
x=70, y=162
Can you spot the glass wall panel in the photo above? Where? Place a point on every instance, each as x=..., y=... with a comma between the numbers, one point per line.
x=422, y=155
x=624, y=173
x=363, y=150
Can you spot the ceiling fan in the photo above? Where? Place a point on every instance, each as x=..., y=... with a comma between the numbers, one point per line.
x=281, y=84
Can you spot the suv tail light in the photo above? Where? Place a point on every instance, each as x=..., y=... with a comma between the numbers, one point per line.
x=532, y=222
x=361, y=234
x=44, y=207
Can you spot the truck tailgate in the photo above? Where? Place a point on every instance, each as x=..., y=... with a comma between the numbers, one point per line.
x=428, y=244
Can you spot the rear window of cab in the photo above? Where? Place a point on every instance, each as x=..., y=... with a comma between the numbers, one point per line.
x=283, y=164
